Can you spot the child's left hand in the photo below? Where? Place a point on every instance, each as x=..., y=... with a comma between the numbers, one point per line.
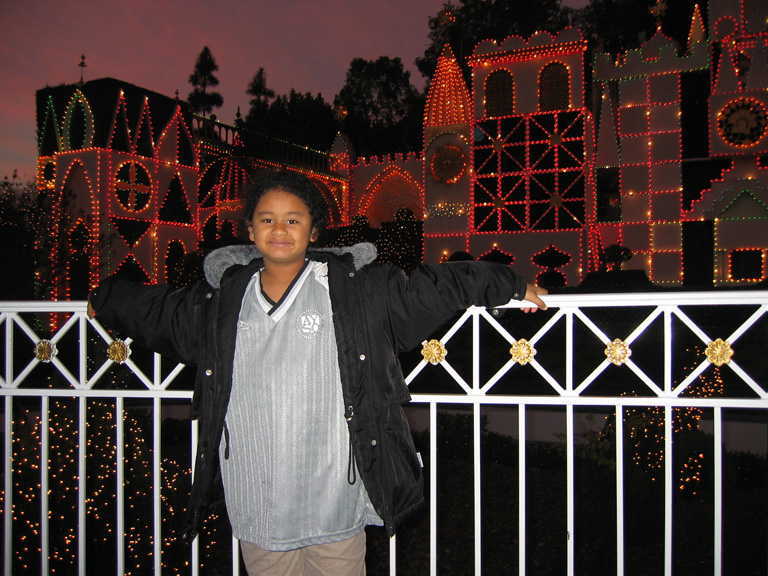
x=532, y=293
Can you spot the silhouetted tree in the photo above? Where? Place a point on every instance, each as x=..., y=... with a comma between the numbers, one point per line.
x=302, y=118
x=202, y=101
x=615, y=255
x=262, y=95
x=382, y=111
x=619, y=25
x=469, y=22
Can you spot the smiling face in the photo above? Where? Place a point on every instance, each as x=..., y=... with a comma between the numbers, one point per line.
x=281, y=228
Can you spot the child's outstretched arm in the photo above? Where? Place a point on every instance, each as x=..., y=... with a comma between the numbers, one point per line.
x=155, y=316
x=532, y=293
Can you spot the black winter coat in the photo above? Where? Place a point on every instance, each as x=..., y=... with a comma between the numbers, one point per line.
x=378, y=312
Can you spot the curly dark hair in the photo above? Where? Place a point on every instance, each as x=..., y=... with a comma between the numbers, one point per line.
x=292, y=182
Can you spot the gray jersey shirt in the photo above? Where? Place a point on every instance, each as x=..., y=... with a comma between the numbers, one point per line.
x=285, y=477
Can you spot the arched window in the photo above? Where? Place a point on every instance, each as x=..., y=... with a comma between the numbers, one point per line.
x=554, y=87
x=173, y=263
x=78, y=123
x=78, y=264
x=211, y=231
x=499, y=94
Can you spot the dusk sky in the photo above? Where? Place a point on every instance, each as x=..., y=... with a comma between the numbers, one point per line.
x=302, y=44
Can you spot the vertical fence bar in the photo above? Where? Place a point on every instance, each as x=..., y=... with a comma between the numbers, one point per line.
x=478, y=487
x=82, y=327
x=432, y=489
x=82, y=443
x=521, y=535
x=570, y=474
x=235, y=551
x=120, y=482
x=668, y=351
x=9, y=443
x=668, y=480
x=157, y=481
x=393, y=555
x=196, y=543
x=619, y=490
x=718, y=551
x=8, y=487
x=9, y=350
x=476, y=441
x=569, y=351
x=44, y=454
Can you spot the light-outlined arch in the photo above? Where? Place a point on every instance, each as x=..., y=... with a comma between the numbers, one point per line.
x=174, y=255
x=394, y=188
x=78, y=269
x=209, y=230
x=554, y=87
x=77, y=193
x=78, y=126
x=499, y=94
x=49, y=140
x=334, y=210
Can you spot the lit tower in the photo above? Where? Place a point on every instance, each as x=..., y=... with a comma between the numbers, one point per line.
x=530, y=154
x=732, y=205
x=447, y=119
x=639, y=195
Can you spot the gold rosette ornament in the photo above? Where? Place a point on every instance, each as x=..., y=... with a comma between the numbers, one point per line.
x=719, y=352
x=618, y=352
x=45, y=351
x=434, y=351
x=522, y=351
x=118, y=351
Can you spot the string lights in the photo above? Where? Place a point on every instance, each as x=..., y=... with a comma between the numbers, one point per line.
x=65, y=443
x=510, y=160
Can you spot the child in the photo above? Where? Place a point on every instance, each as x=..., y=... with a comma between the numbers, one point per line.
x=298, y=389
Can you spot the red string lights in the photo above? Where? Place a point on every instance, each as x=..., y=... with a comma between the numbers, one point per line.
x=513, y=162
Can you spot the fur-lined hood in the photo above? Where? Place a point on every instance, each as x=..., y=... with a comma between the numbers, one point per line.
x=217, y=262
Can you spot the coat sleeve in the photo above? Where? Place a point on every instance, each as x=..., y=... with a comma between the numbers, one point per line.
x=164, y=320
x=432, y=294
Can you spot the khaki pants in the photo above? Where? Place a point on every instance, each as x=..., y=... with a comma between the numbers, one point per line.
x=345, y=558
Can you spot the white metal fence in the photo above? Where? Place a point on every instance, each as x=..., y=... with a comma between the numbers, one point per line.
x=94, y=476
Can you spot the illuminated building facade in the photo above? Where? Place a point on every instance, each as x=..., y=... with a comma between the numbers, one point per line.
x=668, y=159
x=508, y=167
x=140, y=182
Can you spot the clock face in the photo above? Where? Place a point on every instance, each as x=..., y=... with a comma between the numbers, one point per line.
x=742, y=122
x=448, y=164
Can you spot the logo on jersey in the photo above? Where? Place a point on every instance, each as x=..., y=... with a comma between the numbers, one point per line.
x=309, y=323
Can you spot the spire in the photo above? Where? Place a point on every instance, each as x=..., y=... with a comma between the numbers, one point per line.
x=607, y=143
x=697, y=32
x=83, y=66
x=727, y=80
x=448, y=99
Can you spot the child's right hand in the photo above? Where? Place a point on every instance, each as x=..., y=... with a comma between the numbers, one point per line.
x=532, y=293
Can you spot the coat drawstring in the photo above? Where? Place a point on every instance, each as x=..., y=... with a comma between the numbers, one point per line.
x=351, y=468
x=226, y=441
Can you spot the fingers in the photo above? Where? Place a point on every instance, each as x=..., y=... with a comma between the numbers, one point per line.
x=532, y=293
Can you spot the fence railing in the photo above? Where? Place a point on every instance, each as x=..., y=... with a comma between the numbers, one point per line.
x=638, y=419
